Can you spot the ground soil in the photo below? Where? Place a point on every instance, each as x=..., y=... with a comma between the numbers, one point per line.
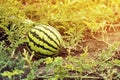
x=101, y=40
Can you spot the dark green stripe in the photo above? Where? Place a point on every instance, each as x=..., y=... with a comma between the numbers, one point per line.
x=38, y=45
x=48, y=36
x=43, y=40
x=52, y=33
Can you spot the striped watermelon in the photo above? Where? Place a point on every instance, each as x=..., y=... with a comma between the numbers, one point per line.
x=44, y=41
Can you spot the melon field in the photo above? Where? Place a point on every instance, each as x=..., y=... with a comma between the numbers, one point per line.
x=80, y=40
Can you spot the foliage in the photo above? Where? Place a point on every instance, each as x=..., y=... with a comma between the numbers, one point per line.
x=10, y=74
x=10, y=62
x=71, y=18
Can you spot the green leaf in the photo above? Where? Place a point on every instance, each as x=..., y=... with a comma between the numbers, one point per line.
x=10, y=74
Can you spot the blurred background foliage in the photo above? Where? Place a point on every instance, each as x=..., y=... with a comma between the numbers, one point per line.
x=72, y=18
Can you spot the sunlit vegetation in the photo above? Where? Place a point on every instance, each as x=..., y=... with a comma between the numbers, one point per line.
x=76, y=20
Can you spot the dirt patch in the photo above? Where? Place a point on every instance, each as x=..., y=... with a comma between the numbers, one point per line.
x=96, y=42
x=99, y=41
